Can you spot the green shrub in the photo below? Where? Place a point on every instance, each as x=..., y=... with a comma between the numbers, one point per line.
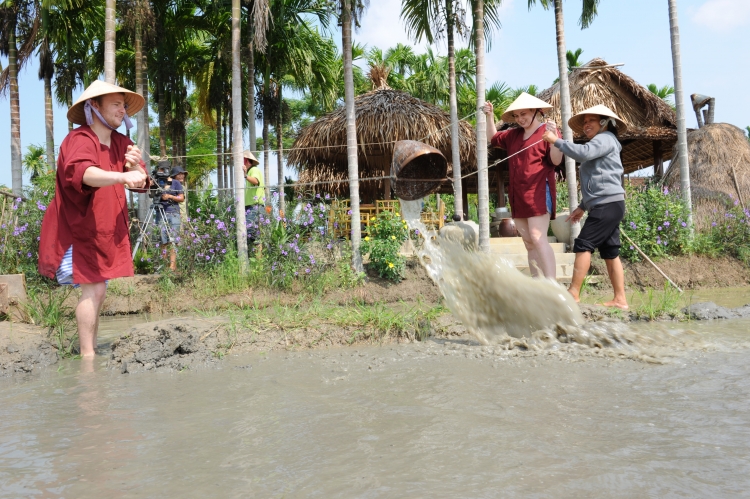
x=729, y=233
x=656, y=220
x=387, y=234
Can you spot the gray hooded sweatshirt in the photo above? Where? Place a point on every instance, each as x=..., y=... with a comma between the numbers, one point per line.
x=601, y=168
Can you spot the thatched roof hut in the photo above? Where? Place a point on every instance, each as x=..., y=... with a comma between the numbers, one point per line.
x=384, y=116
x=652, y=123
x=719, y=153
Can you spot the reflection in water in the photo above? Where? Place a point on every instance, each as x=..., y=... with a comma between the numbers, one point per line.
x=433, y=419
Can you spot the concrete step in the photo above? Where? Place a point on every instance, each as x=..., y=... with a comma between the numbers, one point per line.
x=520, y=249
x=522, y=260
x=514, y=240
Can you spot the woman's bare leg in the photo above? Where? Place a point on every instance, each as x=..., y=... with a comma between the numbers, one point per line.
x=87, y=315
x=533, y=231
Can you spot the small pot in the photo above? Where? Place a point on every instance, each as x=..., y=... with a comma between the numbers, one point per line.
x=508, y=228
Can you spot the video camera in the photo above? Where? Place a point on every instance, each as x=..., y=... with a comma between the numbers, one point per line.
x=159, y=177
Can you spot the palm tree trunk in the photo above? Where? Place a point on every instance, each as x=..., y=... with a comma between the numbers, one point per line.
x=251, y=83
x=69, y=103
x=49, y=122
x=227, y=157
x=280, y=149
x=162, y=117
x=483, y=192
x=455, y=145
x=219, y=152
x=682, y=151
x=266, y=124
x=15, y=115
x=144, y=137
x=239, y=204
x=351, y=133
x=109, y=41
x=229, y=179
x=566, y=112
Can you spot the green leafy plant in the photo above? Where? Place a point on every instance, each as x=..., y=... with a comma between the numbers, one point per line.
x=729, y=233
x=387, y=233
x=46, y=307
x=656, y=220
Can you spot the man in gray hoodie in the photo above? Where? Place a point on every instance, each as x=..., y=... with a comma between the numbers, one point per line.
x=602, y=196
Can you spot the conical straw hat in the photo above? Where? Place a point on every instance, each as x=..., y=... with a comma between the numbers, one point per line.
x=247, y=154
x=133, y=101
x=524, y=101
x=576, y=122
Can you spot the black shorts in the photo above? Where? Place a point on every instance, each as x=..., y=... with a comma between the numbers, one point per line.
x=602, y=230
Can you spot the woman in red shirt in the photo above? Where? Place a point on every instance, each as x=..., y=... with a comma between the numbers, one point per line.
x=531, y=192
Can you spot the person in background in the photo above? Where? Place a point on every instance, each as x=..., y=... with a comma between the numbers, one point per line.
x=531, y=192
x=85, y=239
x=170, y=200
x=254, y=195
x=602, y=194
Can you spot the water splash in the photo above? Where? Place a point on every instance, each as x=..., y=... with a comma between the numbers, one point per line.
x=486, y=293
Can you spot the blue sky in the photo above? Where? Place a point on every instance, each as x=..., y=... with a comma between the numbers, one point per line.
x=633, y=32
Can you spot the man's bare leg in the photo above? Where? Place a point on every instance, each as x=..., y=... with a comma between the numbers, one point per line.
x=580, y=269
x=617, y=277
x=87, y=315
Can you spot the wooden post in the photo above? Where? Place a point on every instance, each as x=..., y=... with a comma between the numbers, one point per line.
x=658, y=159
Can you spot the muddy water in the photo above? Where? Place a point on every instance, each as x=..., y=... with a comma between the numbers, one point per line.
x=434, y=419
x=490, y=297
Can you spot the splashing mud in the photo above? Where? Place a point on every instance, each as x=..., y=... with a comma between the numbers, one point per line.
x=502, y=307
x=488, y=295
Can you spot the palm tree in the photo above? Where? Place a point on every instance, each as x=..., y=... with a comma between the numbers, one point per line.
x=46, y=72
x=748, y=132
x=239, y=178
x=588, y=13
x=483, y=192
x=351, y=10
x=665, y=93
x=682, y=151
x=573, y=59
x=426, y=19
x=109, y=41
x=15, y=14
x=259, y=18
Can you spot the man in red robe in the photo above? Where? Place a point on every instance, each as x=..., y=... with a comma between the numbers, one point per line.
x=85, y=238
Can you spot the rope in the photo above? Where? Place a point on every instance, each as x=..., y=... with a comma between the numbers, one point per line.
x=157, y=158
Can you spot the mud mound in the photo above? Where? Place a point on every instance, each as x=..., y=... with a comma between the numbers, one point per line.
x=165, y=345
x=24, y=349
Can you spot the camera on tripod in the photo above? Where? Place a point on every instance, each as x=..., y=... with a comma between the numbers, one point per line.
x=160, y=177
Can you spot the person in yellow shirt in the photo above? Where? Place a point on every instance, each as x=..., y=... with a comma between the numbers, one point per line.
x=254, y=195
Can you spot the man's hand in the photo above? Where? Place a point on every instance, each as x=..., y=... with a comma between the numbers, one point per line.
x=134, y=179
x=575, y=216
x=133, y=157
x=165, y=197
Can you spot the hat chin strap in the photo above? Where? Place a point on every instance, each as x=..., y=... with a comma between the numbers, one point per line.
x=88, y=108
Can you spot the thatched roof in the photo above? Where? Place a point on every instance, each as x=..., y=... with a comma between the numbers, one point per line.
x=714, y=151
x=384, y=116
x=648, y=117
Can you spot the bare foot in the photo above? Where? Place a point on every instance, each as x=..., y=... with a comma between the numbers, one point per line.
x=575, y=296
x=616, y=304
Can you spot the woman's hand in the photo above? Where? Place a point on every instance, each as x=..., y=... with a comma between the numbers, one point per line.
x=488, y=109
x=575, y=216
x=550, y=136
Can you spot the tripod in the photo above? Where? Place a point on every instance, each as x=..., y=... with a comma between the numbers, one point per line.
x=156, y=208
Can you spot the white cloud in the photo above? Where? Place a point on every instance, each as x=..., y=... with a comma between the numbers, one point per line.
x=723, y=15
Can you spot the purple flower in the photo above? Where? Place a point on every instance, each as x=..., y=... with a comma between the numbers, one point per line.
x=212, y=215
x=307, y=271
x=631, y=248
x=666, y=190
x=713, y=224
x=198, y=210
x=684, y=224
x=633, y=226
x=28, y=255
x=666, y=224
x=658, y=228
x=232, y=219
